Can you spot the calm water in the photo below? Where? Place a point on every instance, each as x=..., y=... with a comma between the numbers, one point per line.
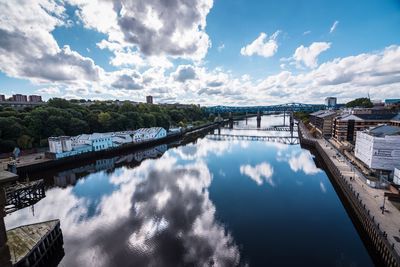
x=225, y=202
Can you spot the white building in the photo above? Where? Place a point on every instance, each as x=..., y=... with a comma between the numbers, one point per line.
x=330, y=101
x=60, y=144
x=145, y=134
x=379, y=147
x=396, y=176
x=121, y=138
x=97, y=141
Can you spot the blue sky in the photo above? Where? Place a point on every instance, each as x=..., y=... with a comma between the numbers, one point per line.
x=236, y=52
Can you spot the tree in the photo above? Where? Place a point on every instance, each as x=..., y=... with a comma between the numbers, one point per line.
x=104, y=119
x=25, y=141
x=360, y=102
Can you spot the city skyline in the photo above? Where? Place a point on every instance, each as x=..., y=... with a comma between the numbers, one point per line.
x=208, y=53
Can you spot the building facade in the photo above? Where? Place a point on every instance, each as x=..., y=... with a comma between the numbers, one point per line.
x=345, y=127
x=149, y=99
x=19, y=98
x=146, y=134
x=396, y=176
x=2, y=98
x=330, y=102
x=35, y=98
x=322, y=120
x=379, y=148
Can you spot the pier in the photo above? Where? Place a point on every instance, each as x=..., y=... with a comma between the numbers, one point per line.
x=34, y=244
x=379, y=219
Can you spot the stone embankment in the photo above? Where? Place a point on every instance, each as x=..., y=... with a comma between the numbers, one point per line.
x=379, y=219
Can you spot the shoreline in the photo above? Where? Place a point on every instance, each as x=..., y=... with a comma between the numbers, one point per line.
x=52, y=163
x=374, y=227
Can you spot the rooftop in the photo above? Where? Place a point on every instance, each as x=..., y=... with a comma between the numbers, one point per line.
x=384, y=130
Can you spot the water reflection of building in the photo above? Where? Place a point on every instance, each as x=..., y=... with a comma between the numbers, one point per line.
x=70, y=177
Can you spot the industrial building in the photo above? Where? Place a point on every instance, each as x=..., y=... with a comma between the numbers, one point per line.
x=65, y=146
x=346, y=126
x=379, y=147
x=322, y=121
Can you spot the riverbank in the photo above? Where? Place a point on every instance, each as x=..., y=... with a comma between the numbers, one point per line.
x=382, y=228
x=39, y=162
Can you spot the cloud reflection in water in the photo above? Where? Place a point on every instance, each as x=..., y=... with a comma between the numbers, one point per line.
x=160, y=214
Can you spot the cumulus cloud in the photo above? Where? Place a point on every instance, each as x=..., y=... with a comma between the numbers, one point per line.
x=303, y=162
x=28, y=49
x=184, y=73
x=334, y=26
x=309, y=55
x=258, y=172
x=126, y=82
x=262, y=46
x=175, y=28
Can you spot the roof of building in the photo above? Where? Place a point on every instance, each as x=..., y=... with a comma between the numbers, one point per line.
x=396, y=118
x=392, y=101
x=323, y=113
x=368, y=117
x=384, y=130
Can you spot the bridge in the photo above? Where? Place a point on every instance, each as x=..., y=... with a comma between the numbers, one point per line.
x=290, y=107
x=268, y=129
x=287, y=140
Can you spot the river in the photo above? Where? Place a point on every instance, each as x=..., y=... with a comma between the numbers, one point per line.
x=218, y=201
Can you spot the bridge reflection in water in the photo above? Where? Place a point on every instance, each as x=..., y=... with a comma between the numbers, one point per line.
x=287, y=140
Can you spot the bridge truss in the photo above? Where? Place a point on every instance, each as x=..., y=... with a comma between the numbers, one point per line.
x=287, y=140
x=290, y=107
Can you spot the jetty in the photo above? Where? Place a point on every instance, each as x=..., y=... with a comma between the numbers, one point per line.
x=34, y=244
x=378, y=219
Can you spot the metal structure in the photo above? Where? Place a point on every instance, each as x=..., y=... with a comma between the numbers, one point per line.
x=268, y=129
x=22, y=195
x=290, y=107
x=287, y=140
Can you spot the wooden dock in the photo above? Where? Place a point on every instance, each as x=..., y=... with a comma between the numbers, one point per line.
x=7, y=177
x=38, y=244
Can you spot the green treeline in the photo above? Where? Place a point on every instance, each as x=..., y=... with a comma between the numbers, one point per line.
x=360, y=102
x=30, y=128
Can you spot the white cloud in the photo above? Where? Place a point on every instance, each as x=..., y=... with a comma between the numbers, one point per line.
x=309, y=55
x=306, y=32
x=261, y=46
x=334, y=26
x=175, y=28
x=29, y=50
x=303, y=162
x=221, y=47
x=258, y=172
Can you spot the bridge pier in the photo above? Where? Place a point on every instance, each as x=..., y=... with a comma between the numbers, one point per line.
x=284, y=117
x=230, y=119
x=258, y=119
x=246, y=117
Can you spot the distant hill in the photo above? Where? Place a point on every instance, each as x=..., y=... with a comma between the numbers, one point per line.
x=360, y=102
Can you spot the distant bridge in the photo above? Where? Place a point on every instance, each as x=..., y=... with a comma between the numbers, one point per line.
x=291, y=107
x=287, y=140
x=269, y=129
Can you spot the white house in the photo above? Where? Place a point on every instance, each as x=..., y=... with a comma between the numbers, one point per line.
x=379, y=147
x=60, y=144
x=98, y=141
x=145, y=134
x=121, y=138
x=396, y=176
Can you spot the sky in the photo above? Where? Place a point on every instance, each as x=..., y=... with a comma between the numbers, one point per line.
x=221, y=52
